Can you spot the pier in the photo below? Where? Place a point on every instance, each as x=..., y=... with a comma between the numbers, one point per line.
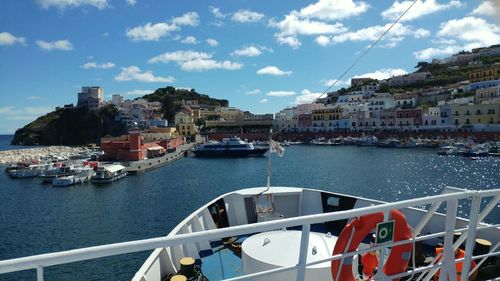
x=140, y=166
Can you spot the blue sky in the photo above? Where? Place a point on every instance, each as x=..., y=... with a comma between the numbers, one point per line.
x=261, y=56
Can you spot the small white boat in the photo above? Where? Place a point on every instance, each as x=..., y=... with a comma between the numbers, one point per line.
x=28, y=170
x=82, y=175
x=109, y=173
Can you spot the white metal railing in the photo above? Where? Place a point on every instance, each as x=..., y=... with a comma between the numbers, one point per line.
x=38, y=262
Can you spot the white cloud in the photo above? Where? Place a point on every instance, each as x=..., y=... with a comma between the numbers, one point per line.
x=212, y=42
x=151, y=32
x=306, y=97
x=189, y=18
x=195, y=61
x=63, y=45
x=62, y=4
x=216, y=12
x=253, y=92
x=372, y=33
x=250, y=51
x=33, y=97
x=24, y=113
x=293, y=25
x=263, y=101
x=189, y=40
x=341, y=83
x=7, y=39
x=131, y=2
x=420, y=9
x=430, y=53
x=334, y=9
x=246, y=16
x=179, y=56
x=104, y=65
x=291, y=41
x=135, y=93
x=471, y=29
x=273, y=70
x=209, y=64
x=281, y=93
x=133, y=73
x=322, y=40
x=487, y=8
x=461, y=35
x=383, y=73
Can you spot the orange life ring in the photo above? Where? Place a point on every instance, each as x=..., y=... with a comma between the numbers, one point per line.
x=396, y=262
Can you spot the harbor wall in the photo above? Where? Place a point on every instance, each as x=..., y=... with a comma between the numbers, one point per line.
x=307, y=136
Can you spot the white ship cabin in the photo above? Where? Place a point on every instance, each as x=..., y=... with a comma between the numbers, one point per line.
x=109, y=171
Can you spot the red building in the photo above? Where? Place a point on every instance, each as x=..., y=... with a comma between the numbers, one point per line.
x=305, y=121
x=409, y=118
x=133, y=147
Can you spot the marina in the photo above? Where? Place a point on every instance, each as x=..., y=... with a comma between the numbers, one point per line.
x=390, y=175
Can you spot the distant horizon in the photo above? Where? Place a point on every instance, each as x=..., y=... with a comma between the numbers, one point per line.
x=260, y=58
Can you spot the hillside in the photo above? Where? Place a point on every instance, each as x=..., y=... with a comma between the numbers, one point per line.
x=78, y=125
x=70, y=126
x=171, y=97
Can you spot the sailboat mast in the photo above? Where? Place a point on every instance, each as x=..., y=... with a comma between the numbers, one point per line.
x=269, y=164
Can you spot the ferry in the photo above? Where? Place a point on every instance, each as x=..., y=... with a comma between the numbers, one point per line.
x=294, y=233
x=109, y=173
x=228, y=147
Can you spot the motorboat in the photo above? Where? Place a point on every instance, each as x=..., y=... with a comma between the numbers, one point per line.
x=27, y=170
x=59, y=170
x=82, y=175
x=109, y=173
x=229, y=147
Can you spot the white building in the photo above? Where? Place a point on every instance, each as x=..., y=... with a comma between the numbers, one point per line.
x=91, y=97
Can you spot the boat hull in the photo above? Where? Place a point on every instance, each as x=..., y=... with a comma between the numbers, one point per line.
x=109, y=179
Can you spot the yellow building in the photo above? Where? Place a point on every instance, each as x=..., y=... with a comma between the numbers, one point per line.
x=486, y=73
x=184, y=121
x=326, y=114
x=469, y=114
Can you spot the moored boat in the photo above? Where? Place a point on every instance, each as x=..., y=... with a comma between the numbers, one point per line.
x=82, y=175
x=109, y=173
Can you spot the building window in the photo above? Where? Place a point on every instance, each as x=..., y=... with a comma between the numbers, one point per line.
x=467, y=121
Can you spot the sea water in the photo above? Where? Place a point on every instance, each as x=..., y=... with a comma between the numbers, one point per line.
x=36, y=218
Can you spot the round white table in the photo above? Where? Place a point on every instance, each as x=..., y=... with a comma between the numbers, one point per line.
x=275, y=249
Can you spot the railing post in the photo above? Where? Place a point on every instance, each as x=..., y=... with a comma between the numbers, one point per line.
x=304, y=244
x=381, y=258
x=471, y=237
x=39, y=273
x=448, y=268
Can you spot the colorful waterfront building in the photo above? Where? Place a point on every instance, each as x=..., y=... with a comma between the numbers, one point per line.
x=135, y=146
x=408, y=119
x=476, y=116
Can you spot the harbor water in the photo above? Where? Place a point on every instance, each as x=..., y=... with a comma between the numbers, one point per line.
x=36, y=218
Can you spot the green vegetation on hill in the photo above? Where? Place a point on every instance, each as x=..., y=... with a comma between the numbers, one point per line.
x=79, y=125
x=70, y=126
x=170, y=98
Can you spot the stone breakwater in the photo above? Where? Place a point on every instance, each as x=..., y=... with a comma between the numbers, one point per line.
x=28, y=154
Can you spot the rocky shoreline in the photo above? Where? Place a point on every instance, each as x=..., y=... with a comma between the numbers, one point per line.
x=28, y=154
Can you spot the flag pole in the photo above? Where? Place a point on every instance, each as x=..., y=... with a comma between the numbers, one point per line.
x=269, y=166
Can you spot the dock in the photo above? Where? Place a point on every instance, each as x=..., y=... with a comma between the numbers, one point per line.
x=136, y=167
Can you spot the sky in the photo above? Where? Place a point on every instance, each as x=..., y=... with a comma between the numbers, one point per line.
x=262, y=56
